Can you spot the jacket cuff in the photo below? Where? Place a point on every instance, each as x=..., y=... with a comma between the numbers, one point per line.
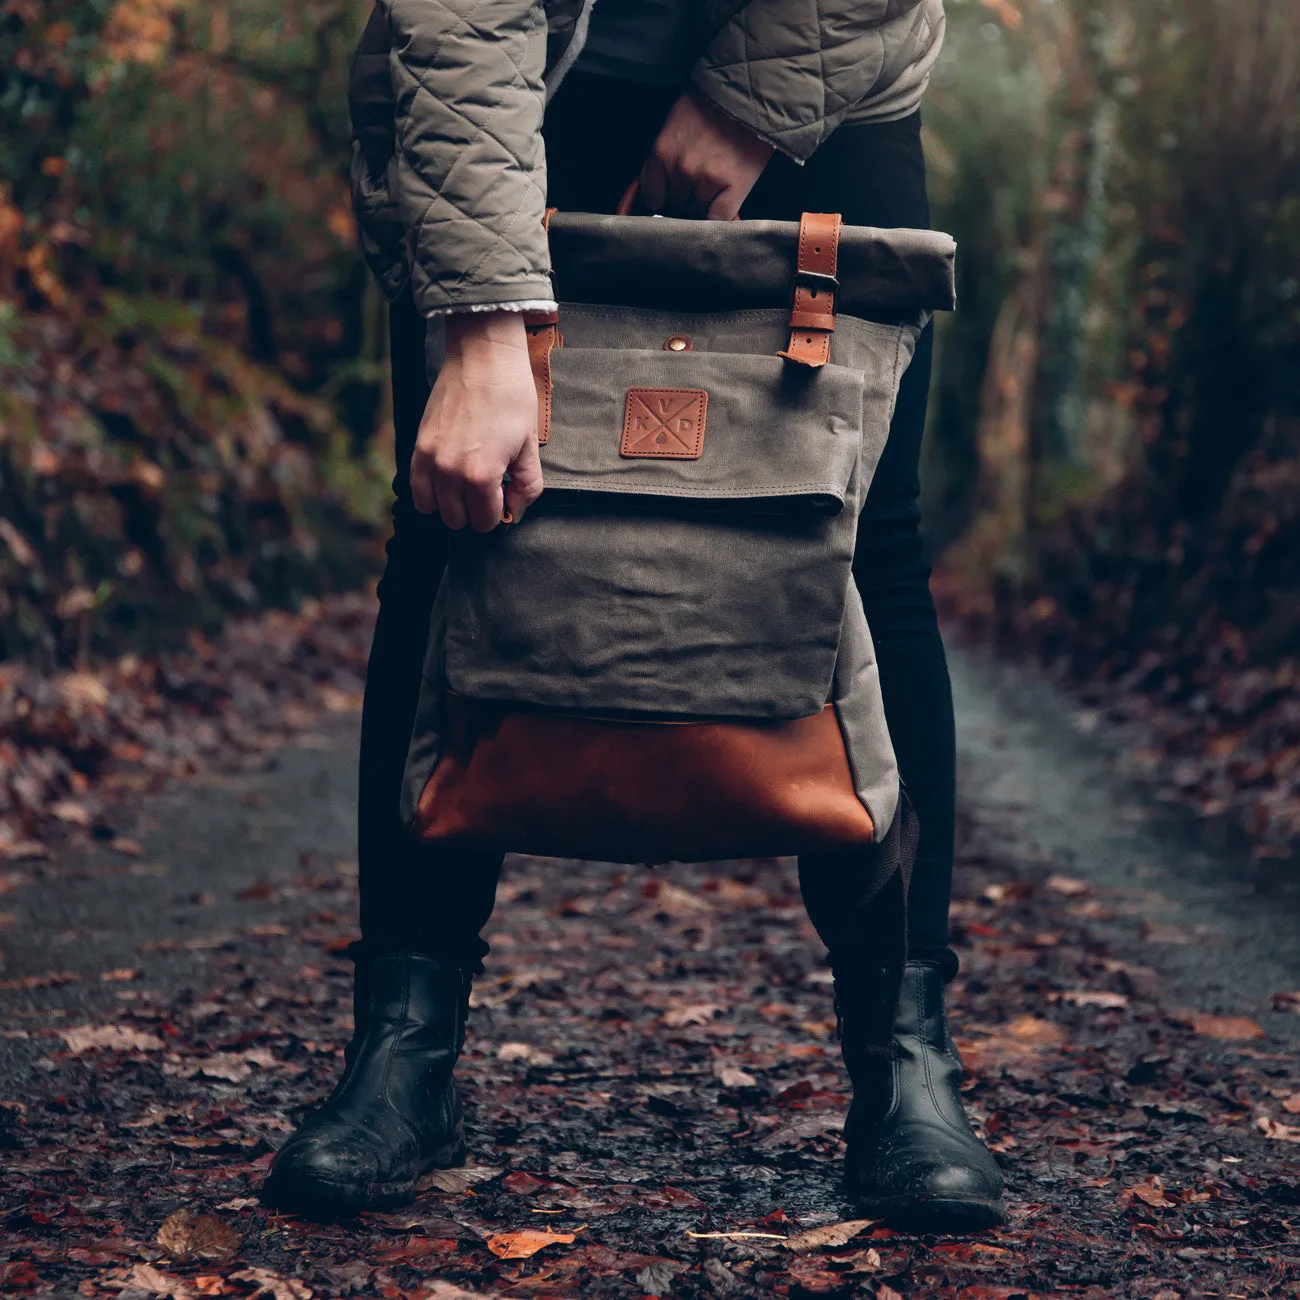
x=714, y=93
x=532, y=304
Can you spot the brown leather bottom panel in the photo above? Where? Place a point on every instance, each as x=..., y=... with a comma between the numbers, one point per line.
x=640, y=792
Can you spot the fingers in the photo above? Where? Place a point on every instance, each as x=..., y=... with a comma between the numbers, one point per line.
x=725, y=205
x=473, y=498
x=654, y=185
x=423, y=494
x=484, y=501
x=525, y=484
x=451, y=504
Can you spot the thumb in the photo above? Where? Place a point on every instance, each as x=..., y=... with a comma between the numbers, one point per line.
x=525, y=484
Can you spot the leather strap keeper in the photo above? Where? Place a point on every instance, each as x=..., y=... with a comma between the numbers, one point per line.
x=812, y=302
x=562, y=785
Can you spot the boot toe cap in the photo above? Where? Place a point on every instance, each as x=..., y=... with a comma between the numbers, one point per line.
x=324, y=1170
x=932, y=1179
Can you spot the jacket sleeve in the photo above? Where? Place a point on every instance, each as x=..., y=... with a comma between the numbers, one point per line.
x=468, y=176
x=790, y=70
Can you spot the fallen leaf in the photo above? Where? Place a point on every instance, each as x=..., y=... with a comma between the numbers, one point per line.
x=735, y=1236
x=120, y=974
x=1233, y=1029
x=239, y=1203
x=1068, y=885
x=18, y=850
x=1276, y=1130
x=675, y=901
x=1091, y=909
x=70, y=811
x=150, y=1280
x=225, y=1066
x=1292, y=1104
x=1152, y=1193
x=1032, y=1029
x=1090, y=998
x=526, y=1242
x=732, y=1076
x=696, y=1013
x=1287, y=1002
x=458, y=1180
x=50, y=980
x=187, y=1237
x=117, y=1038
x=833, y=1234
x=272, y=1285
x=524, y=1052
x=83, y=689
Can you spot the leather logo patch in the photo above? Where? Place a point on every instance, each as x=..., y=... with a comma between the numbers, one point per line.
x=664, y=422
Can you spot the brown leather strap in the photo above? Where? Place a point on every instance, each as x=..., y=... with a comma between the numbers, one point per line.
x=543, y=338
x=542, y=329
x=812, y=304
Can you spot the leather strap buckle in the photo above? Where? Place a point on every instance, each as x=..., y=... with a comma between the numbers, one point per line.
x=814, y=279
x=813, y=290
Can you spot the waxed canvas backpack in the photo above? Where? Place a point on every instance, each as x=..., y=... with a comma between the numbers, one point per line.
x=667, y=658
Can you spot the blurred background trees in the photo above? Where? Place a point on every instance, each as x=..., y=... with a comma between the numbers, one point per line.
x=1115, y=466
x=192, y=412
x=190, y=349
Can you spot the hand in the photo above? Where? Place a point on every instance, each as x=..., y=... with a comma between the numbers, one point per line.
x=480, y=422
x=703, y=164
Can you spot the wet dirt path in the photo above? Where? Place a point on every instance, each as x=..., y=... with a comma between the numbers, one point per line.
x=651, y=1055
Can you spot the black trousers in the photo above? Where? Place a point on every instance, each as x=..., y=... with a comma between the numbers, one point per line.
x=598, y=133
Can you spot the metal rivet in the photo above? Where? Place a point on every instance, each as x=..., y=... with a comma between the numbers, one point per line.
x=677, y=343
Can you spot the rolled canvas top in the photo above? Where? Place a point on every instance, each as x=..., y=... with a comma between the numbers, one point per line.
x=884, y=275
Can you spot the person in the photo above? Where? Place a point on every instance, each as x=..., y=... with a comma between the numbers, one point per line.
x=470, y=117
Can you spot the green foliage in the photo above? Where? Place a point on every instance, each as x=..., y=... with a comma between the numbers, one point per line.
x=155, y=481
x=985, y=141
x=183, y=319
x=1150, y=277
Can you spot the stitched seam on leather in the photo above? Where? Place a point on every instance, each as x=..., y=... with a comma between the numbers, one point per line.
x=925, y=1056
x=699, y=400
x=392, y=1051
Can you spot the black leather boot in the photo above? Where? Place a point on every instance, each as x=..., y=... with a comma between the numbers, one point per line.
x=913, y=1158
x=395, y=1113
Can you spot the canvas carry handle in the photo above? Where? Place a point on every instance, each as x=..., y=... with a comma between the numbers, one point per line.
x=812, y=304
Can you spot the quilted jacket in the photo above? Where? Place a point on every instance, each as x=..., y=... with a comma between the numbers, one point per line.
x=447, y=97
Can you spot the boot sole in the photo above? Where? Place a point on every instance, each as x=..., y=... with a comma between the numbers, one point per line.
x=939, y=1216
x=330, y=1198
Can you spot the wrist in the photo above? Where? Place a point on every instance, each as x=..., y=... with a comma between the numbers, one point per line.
x=472, y=334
